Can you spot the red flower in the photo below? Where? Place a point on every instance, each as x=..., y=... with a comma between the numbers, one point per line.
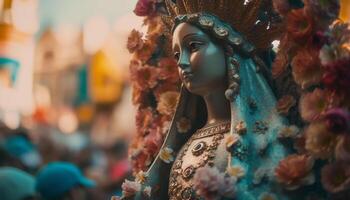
x=295, y=171
x=145, y=8
x=306, y=67
x=337, y=76
x=300, y=26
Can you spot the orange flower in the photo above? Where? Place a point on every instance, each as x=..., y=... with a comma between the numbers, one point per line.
x=336, y=177
x=167, y=103
x=164, y=87
x=183, y=125
x=284, y=104
x=135, y=41
x=168, y=70
x=295, y=171
x=313, y=104
x=319, y=142
x=145, y=53
x=280, y=64
x=299, y=25
x=342, y=150
x=306, y=67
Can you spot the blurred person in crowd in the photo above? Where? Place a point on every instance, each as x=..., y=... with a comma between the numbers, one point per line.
x=62, y=181
x=16, y=184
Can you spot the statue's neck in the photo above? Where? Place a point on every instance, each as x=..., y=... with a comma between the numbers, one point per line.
x=218, y=106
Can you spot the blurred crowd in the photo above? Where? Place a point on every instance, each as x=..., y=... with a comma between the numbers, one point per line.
x=45, y=164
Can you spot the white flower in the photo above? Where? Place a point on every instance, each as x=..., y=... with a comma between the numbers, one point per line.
x=166, y=154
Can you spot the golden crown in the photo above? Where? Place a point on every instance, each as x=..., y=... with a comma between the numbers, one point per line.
x=253, y=19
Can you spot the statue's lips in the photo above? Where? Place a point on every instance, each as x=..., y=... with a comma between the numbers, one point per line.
x=187, y=76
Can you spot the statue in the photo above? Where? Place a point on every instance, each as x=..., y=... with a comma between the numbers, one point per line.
x=226, y=121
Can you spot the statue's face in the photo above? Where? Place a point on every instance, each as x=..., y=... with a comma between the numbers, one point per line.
x=202, y=65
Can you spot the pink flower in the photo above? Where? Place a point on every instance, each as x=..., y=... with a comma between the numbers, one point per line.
x=337, y=76
x=135, y=41
x=168, y=70
x=144, y=77
x=337, y=120
x=130, y=188
x=145, y=8
x=313, y=104
x=210, y=184
x=336, y=177
x=306, y=67
x=281, y=6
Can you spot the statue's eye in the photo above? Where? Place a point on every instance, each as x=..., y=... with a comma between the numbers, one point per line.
x=177, y=55
x=194, y=46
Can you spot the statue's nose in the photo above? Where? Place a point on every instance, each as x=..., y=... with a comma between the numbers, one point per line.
x=184, y=61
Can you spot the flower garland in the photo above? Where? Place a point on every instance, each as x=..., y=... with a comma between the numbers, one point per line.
x=315, y=50
x=155, y=82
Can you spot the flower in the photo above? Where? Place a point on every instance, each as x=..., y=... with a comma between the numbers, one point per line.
x=306, y=67
x=143, y=76
x=241, y=128
x=285, y=103
x=280, y=64
x=325, y=11
x=146, y=52
x=319, y=142
x=210, y=184
x=231, y=140
x=168, y=70
x=313, y=104
x=235, y=171
x=130, y=188
x=167, y=102
x=144, y=118
x=288, y=132
x=337, y=120
x=164, y=87
x=337, y=76
x=300, y=26
x=166, y=154
x=135, y=41
x=145, y=8
x=295, y=171
x=260, y=174
x=342, y=150
x=153, y=141
x=183, y=125
x=115, y=198
x=281, y=6
x=141, y=177
x=267, y=196
x=335, y=177
x=147, y=191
